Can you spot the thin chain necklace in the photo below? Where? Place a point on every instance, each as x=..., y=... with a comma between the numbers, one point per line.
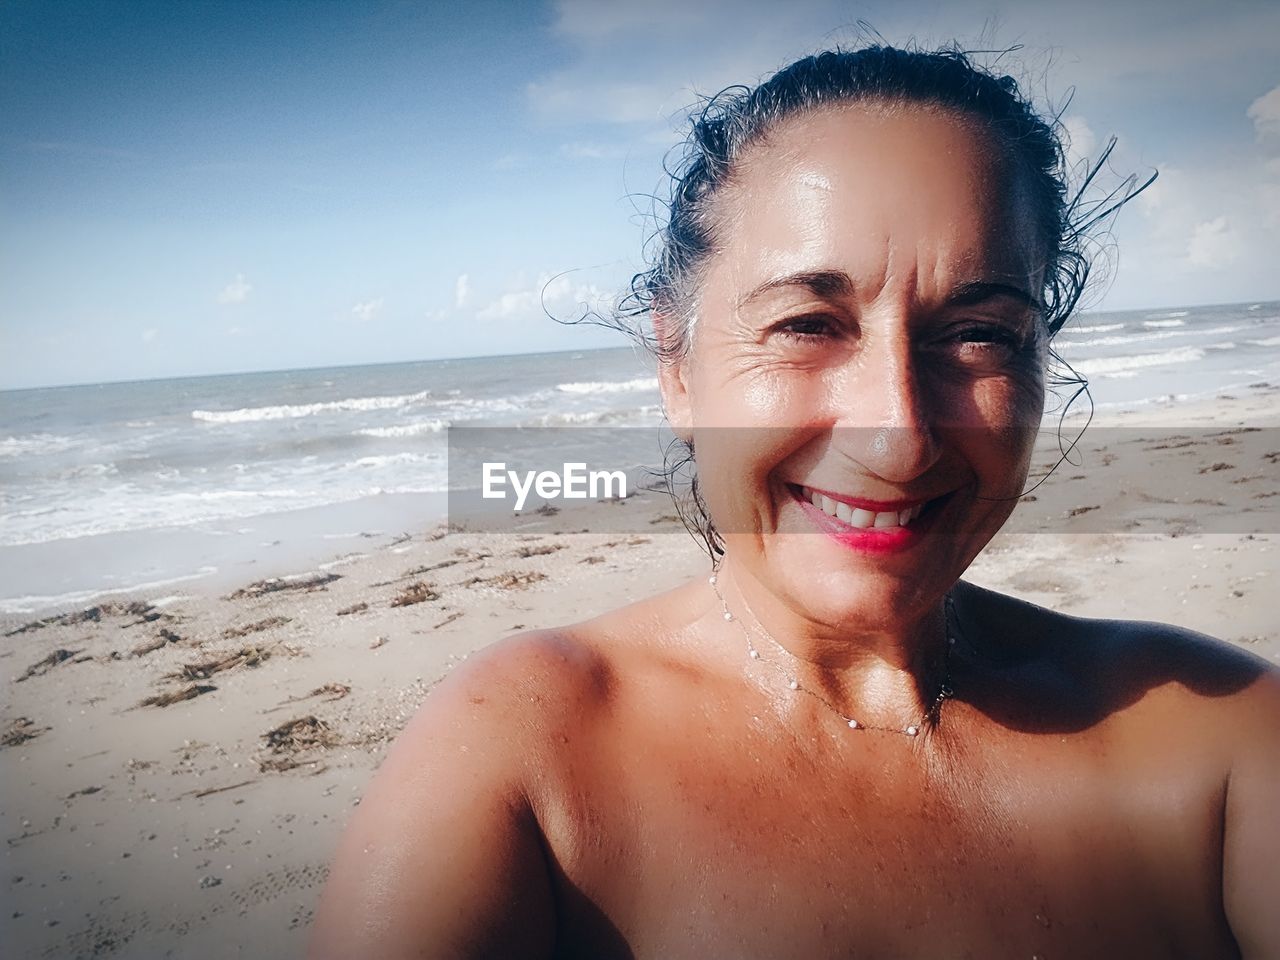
x=932, y=714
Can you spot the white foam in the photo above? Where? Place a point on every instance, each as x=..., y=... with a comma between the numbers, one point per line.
x=34, y=603
x=1163, y=323
x=121, y=510
x=342, y=561
x=1268, y=342
x=642, y=415
x=35, y=443
x=91, y=470
x=391, y=459
x=1147, y=337
x=609, y=386
x=1170, y=315
x=1129, y=366
x=405, y=430
x=1096, y=328
x=293, y=411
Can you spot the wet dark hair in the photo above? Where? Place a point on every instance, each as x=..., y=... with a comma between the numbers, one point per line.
x=731, y=121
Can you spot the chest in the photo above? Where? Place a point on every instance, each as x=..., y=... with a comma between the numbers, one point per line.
x=741, y=850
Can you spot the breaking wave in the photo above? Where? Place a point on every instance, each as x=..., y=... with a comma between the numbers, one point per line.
x=295, y=410
x=609, y=386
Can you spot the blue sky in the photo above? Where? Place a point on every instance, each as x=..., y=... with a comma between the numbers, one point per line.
x=191, y=188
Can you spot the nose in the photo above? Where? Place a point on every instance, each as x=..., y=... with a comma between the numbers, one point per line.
x=884, y=414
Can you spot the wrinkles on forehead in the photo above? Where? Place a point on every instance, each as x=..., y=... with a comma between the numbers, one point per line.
x=895, y=195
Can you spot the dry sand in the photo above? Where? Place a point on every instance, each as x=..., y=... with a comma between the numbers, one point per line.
x=175, y=772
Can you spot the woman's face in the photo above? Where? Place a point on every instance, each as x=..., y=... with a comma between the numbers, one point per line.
x=867, y=331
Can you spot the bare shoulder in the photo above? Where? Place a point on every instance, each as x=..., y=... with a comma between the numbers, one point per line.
x=1176, y=700
x=1114, y=668
x=445, y=852
x=525, y=683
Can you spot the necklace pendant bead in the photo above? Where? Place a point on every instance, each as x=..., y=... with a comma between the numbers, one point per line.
x=912, y=730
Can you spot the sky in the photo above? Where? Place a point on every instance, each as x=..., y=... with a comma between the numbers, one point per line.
x=196, y=188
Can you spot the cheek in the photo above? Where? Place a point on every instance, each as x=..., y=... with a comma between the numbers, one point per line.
x=1012, y=397
x=738, y=472
x=753, y=395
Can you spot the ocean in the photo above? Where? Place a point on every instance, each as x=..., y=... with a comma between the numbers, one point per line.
x=161, y=483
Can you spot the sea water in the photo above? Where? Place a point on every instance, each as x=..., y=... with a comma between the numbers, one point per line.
x=168, y=482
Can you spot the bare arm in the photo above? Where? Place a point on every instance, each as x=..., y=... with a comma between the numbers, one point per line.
x=444, y=857
x=1251, y=854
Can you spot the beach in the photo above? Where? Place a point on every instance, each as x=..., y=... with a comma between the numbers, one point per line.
x=221, y=599
x=177, y=770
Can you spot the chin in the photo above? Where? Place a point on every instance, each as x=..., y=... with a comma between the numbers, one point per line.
x=832, y=573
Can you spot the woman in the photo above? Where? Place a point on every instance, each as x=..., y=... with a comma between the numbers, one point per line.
x=834, y=747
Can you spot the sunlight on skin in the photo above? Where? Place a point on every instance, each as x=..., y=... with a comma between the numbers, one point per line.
x=829, y=319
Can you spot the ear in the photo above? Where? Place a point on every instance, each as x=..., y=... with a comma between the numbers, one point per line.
x=673, y=381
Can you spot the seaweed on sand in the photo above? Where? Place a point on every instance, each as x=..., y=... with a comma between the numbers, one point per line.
x=189, y=692
x=20, y=731
x=245, y=656
x=48, y=663
x=145, y=612
x=232, y=633
x=417, y=592
x=305, y=581
x=292, y=738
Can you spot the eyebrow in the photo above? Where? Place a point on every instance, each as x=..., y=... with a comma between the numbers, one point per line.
x=979, y=291
x=822, y=283
x=836, y=283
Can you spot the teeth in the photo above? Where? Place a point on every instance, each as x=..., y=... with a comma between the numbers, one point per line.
x=864, y=519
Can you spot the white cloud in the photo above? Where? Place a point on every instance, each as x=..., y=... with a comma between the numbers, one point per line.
x=509, y=161
x=566, y=96
x=557, y=296
x=1213, y=244
x=237, y=291
x=1081, y=139
x=1265, y=114
x=367, y=310
x=583, y=150
x=594, y=20
x=1269, y=198
x=462, y=291
x=149, y=334
x=1200, y=234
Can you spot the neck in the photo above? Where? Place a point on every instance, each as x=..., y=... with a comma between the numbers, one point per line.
x=885, y=675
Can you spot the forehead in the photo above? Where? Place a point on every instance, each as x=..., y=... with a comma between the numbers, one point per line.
x=884, y=192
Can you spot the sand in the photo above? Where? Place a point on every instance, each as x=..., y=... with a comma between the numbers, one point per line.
x=176, y=771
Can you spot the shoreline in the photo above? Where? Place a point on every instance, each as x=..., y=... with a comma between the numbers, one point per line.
x=176, y=770
x=208, y=556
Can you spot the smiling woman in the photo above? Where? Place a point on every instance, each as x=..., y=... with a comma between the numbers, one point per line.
x=836, y=747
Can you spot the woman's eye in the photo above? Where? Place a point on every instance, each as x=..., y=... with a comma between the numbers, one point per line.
x=806, y=328
x=988, y=336
x=981, y=346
